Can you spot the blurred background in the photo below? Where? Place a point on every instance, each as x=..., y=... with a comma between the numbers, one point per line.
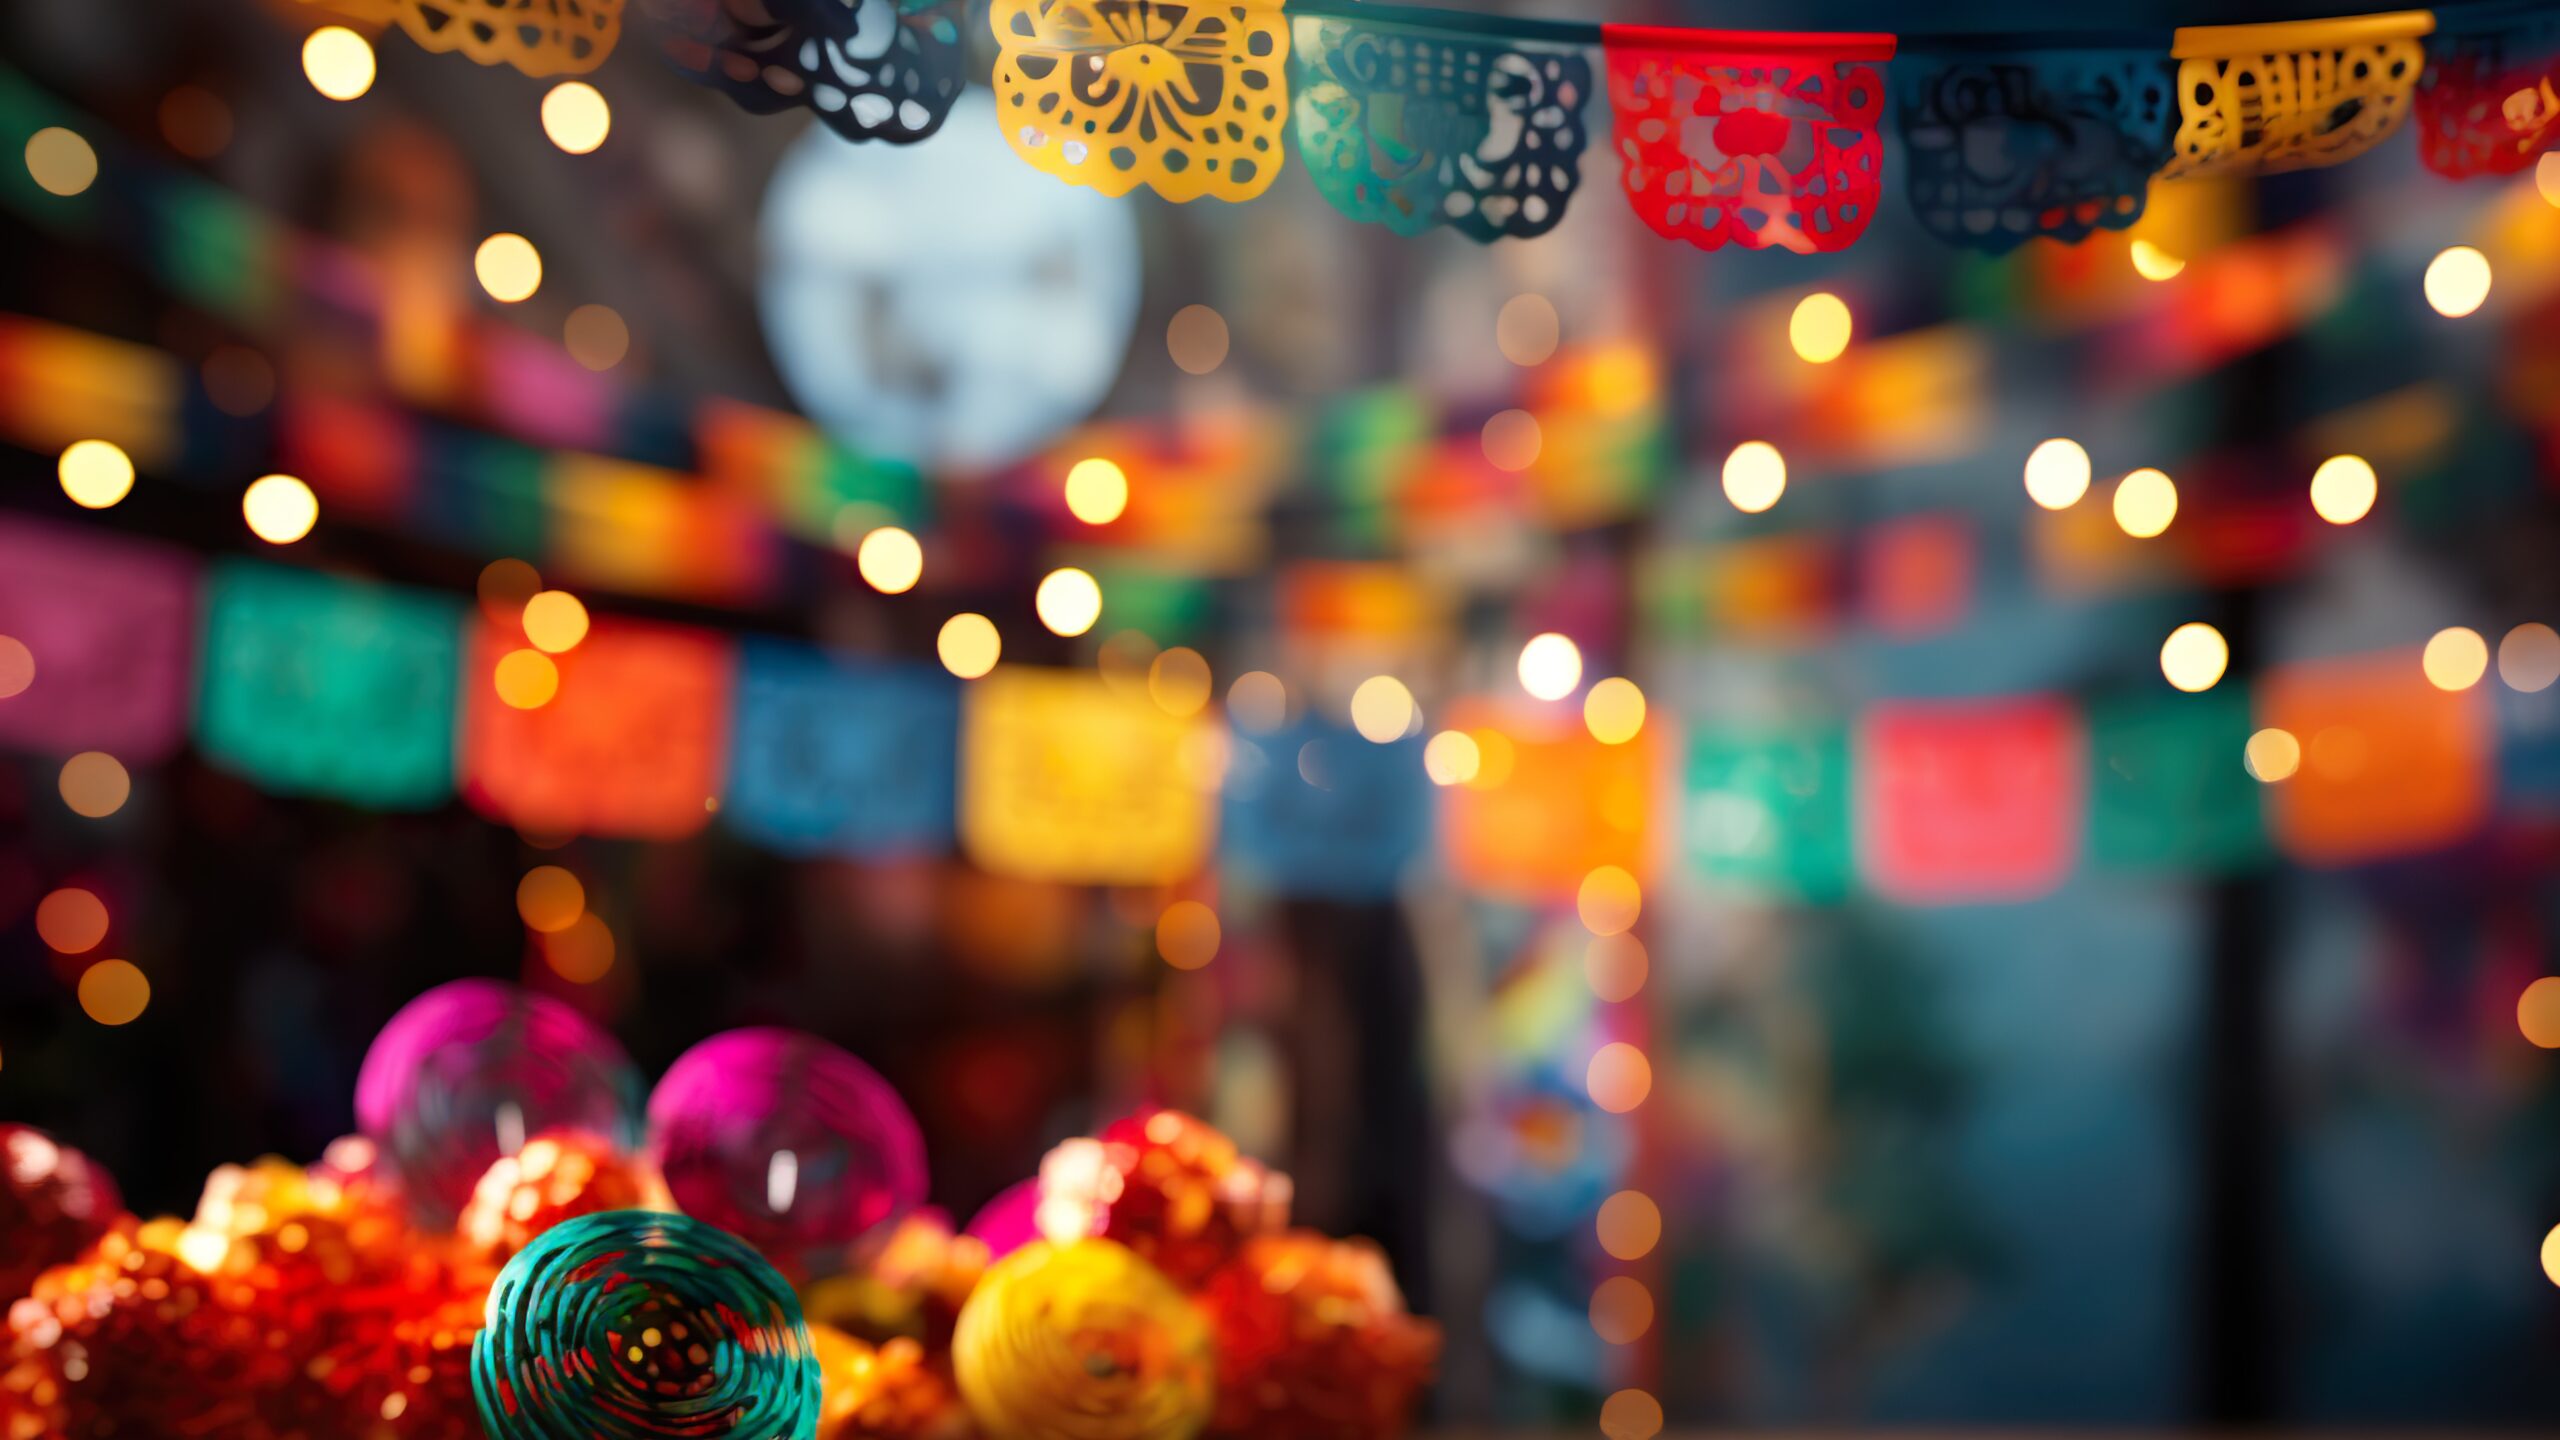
x=1875, y=967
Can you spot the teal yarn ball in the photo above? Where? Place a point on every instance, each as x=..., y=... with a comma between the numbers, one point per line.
x=638, y=1325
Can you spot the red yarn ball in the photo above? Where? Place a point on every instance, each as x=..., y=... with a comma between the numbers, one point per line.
x=1314, y=1342
x=1170, y=1186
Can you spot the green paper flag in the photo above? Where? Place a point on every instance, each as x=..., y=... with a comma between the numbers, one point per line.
x=1770, y=812
x=318, y=686
x=2169, y=790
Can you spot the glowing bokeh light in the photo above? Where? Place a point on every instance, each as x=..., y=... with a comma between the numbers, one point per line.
x=1512, y=440
x=1187, y=935
x=2194, y=657
x=1615, y=967
x=2272, y=755
x=550, y=899
x=1179, y=682
x=1452, y=758
x=1755, y=475
x=1619, y=1077
x=596, y=336
x=61, y=161
x=17, y=667
x=580, y=952
x=2057, y=474
x=1631, y=1415
x=1820, y=328
x=71, y=920
x=891, y=560
x=114, y=992
x=1629, y=1224
x=338, y=62
x=510, y=269
x=1382, y=709
x=504, y=587
x=1097, y=491
x=2455, y=658
x=576, y=117
x=95, y=473
x=968, y=645
x=1068, y=601
x=1550, y=666
x=2528, y=658
x=2537, y=1012
x=1527, y=330
x=2153, y=263
x=2457, y=282
x=94, y=784
x=1614, y=710
x=2343, y=489
x=1258, y=701
x=555, y=621
x=2145, y=504
x=1496, y=756
x=526, y=679
x=2551, y=1255
x=1621, y=1310
x=2546, y=177
x=1197, y=339
x=1610, y=900
x=280, y=509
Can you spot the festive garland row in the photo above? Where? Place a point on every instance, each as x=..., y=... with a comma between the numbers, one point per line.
x=1416, y=119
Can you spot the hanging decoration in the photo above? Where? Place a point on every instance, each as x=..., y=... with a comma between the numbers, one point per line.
x=2006, y=145
x=1409, y=124
x=1757, y=140
x=1083, y=1341
x=2258, y=99
x=1188, y=99
x=869, y=69
x=540, y=38
x=2489, y=103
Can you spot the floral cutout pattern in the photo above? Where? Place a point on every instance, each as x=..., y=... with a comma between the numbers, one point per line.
x=1186, y=97
x=2258, y=99
x=870, y=69
x=537, y=37
x=2489, y=103
x=1408, y=127
x=1758, y=140
x=2003, y=148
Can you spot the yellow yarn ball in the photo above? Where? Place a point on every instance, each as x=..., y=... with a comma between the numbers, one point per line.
x=1083, y=1341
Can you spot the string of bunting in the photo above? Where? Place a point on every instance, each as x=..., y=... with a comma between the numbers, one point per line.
x=1418, y=118
x=395, y=699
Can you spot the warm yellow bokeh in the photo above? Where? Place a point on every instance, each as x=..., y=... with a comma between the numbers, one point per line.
x=526, y=679
x=1631, y=1415
x=550, y=899
x=1614, y=710
x=95, y=473
x=969, y=645
x=2146, y=502
x=891, y=560
x=94, y=784
x=1630, y=1225
x=2343, y=489
x=1451, y=758
x=576, y=117
x=2272, y=755
x=580, y=952
x=2194, y=657
x=114, y=992
x=2537, y=1012
x=555, y=621
x=1097, y=491
x=1621, y=1310
x=1179, y=682
x=1187, y=935
x=2457, y=282
x=2455, y=658
x=1755, y=475
x=1615, y=967
x=1820, y=328
x=60, y=161
x=1382, y=709
x=1550, y=666
x=510, y=269
x=338, y=62
x=1610, y=900
x=2153, y=263
x=1069, y=601
x=2057, y=474
x=280, y=509
x=71, y=921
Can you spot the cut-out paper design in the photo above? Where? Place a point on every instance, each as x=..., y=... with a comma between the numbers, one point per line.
x=1769, y=811
x=1187, y=97
x=870, y=69
x=110, y=624
x=1064, y=778
x=1411, y=126
x=630, y=745
x=1758, y=140
x=318, y=686
x=1317, y=810
x=2390, y=766
x=537, y=37
x=2258, y=99
x=840, y=756
x=2004, y=147
x=2489, y=102
x=1551, y=804
x=2167, y=787
x=1970, y=801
